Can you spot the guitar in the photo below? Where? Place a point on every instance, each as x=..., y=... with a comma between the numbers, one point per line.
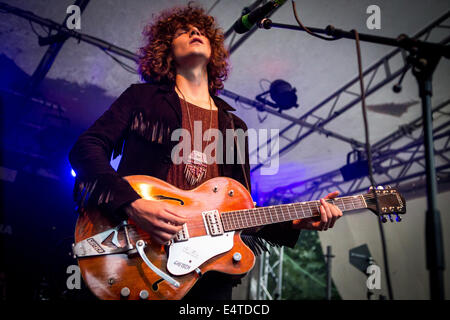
x=121, y=261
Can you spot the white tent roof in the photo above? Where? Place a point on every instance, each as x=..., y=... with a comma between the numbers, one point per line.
x=316, y=68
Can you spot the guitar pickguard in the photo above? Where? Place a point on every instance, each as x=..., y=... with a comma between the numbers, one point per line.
x=186, y=256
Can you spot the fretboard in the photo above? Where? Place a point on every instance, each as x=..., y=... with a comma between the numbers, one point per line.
x=249, y=218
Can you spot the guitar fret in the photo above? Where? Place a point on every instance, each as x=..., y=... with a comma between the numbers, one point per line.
x=265, y=215
x=258, y=218
x=317, y=206
x=247, y=218
x=242, y=217
x=242, y=220
x=303, y=210
x=254, y=220
x=224, y=221
x=289, y=210
x=235, y=222
x=271, y=218
x=363, y=201
x=292, y=215
x=273, y=215
x=342, y=206
x=281, y=211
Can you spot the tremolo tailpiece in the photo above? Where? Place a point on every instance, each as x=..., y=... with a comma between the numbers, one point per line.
x=93, y=246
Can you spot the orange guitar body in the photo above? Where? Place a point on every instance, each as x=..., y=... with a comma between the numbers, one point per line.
x=107, y=275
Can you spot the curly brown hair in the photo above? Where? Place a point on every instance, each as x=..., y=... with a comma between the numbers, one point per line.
x=156, y=62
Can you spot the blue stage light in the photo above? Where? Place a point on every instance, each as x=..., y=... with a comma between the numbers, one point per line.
x=73, y=173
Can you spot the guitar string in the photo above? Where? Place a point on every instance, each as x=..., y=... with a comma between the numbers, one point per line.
x=247, y=216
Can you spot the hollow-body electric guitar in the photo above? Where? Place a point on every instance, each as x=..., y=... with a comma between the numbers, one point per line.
x=121, y=261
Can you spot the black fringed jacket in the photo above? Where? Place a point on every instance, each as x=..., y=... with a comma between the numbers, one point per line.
x=139, y=125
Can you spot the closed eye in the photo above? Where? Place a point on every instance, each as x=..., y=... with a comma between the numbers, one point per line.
x=179, y=33
x=185, y=30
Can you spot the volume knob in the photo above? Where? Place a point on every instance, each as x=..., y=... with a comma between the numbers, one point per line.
x=237, y=257
x=143, y=294
x=125, y=292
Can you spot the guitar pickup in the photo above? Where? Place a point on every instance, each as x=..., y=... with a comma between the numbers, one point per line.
x=213, y=222
x=183, y=234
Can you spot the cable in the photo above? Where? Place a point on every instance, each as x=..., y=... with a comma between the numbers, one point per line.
x=126, y=67
x=369, y=162
x=368, y=147
x=33, y=29
x=309, y=31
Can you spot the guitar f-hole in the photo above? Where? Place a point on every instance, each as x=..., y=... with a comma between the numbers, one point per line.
x=155, y=284
x=161, y=197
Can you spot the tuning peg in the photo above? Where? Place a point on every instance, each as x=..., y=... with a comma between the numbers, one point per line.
x=371, y=188
x=380, y=188
x=398, y=218
x=388, y=187
x=383, y=219
x=390, y=218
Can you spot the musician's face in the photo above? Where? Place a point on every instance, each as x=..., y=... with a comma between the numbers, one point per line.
x=190, y=46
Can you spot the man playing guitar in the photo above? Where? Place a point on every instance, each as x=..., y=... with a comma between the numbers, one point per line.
x=184, y=64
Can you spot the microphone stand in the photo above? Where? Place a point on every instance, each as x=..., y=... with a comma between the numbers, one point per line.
x=423, y=57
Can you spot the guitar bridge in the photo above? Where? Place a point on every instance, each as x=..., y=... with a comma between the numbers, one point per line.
x=213, y=222
x=183, y=234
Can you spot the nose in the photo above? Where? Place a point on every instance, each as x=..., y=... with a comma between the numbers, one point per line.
x=194, y=32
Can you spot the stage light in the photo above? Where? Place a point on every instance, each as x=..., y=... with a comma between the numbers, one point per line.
x=73, y=173
x=282, y=93
x=357, y=169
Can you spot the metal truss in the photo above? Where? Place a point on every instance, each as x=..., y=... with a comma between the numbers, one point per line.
x=56, y=43
x=301, y=127
x=51, y=54
x=392, y=165
x=336, y=104
x=395, y=161
x=270, y=276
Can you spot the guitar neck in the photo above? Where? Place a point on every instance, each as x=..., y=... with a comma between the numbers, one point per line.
x=255, y=217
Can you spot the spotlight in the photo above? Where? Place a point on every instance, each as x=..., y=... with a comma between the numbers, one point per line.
x=73, y=173
x=357, y=169
x=282, y=93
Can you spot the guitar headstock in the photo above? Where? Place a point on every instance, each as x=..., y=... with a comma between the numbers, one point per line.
x=390, y=201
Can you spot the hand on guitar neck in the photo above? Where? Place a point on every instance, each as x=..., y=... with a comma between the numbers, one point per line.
x=329, y=213
x=161, y=220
